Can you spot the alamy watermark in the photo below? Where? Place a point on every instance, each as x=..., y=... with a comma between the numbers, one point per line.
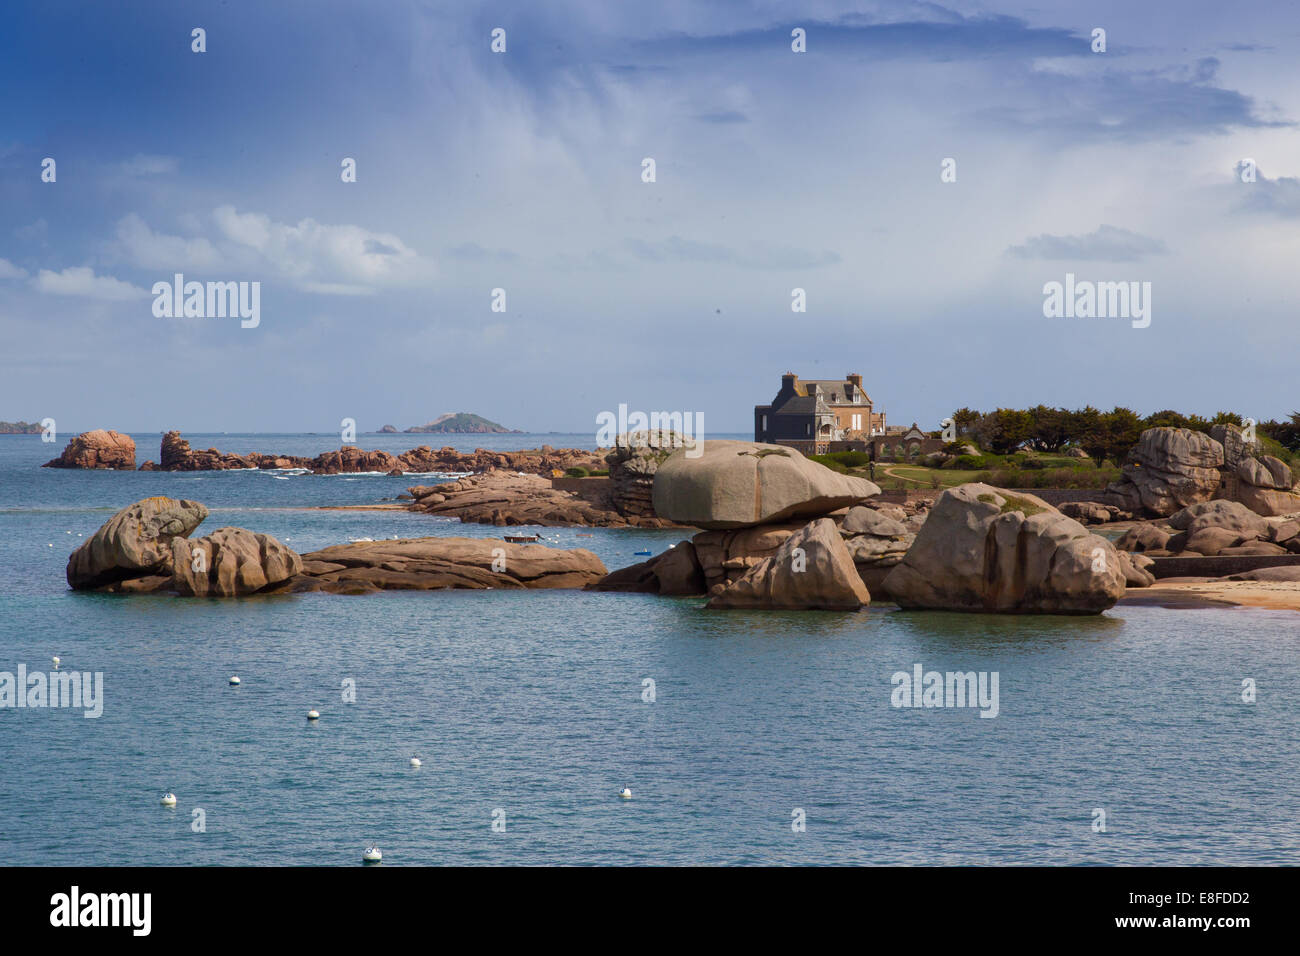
x=922, y=688
x=75, y=908
x=1085, y=299
x=54, y=689
x=689, y=425
x=213, y=300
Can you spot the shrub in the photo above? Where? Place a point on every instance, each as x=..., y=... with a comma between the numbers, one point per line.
x=577, y=472
x=1049, y=477
x=849, y=459
x=968, y=463
x=830, y=462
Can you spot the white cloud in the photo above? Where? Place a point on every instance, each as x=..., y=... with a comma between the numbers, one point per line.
x=10, y=271
x=319, y=258
x=323, y=256
x=154, y=250
x=82, y=281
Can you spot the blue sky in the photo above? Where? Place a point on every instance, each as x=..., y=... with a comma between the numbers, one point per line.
x=522, y=171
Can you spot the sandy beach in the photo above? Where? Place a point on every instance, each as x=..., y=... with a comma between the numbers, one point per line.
x=1278, y=595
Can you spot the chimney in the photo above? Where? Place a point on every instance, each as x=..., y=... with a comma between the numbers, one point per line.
x=855, y=379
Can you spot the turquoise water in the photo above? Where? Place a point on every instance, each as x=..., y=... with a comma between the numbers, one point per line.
x=532, y=703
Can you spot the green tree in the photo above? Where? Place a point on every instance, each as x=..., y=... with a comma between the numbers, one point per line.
x=1123, y=429
x=1011, y=429
x=964, y=418
x=1051, y=428
x=1090, y=433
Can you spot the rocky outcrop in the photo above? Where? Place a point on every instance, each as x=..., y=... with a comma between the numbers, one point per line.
x=1229, y=515
x=1144, y=536
x=176, y=455
x=425, y=564
x=633, y=462
x=1135, y=568
x=675, y=572
x=725, y=556
x=1093, y=512
x=712, y=561
x=736, y=484
x=1264, y=486
x=1218, y=528
x=984, y=549
x=877, y=543
x=97, y=449
x=509, y=498
x=134, y=543
x=1168, y=469
x=231, y=562
x=1172, y=468
x=1222, y=528
x=145, y=548
x=811, y=570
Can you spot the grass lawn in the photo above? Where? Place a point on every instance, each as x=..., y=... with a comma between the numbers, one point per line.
x=922, y=477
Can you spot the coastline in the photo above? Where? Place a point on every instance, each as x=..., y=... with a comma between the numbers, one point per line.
x=1275, y=595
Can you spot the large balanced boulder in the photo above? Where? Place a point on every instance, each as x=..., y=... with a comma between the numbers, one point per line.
x=425, y=564
x=1168, y=469
x=811, y=570
x=97, y=449
x=231, y=562
x=737, y=484
x=984, y=549
x=134, y=543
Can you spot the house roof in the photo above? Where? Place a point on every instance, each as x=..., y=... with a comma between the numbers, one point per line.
x=842, y=389
x=803, y=405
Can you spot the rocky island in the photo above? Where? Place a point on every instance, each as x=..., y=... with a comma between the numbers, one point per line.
x=20, y=428
x=462, y=423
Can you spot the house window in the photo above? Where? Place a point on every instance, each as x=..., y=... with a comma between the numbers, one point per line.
x=809, y=428
x=764, y=428
x=857, y=423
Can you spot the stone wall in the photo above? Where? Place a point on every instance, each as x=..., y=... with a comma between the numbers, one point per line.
x=1218, y=567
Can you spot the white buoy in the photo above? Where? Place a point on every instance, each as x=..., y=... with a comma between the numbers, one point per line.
x=313, y=714
x=168, y=799
x=625, y=793
x=57, y=662
x=415, y=762
x=372, y=854
x=234, y=682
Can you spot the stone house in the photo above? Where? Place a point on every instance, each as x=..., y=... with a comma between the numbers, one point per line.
x=812, y=414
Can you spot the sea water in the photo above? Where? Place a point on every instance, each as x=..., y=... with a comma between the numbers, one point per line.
x=770, y=738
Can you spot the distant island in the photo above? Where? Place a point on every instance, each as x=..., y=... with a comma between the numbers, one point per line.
x=462, y=423
x=19, y=428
